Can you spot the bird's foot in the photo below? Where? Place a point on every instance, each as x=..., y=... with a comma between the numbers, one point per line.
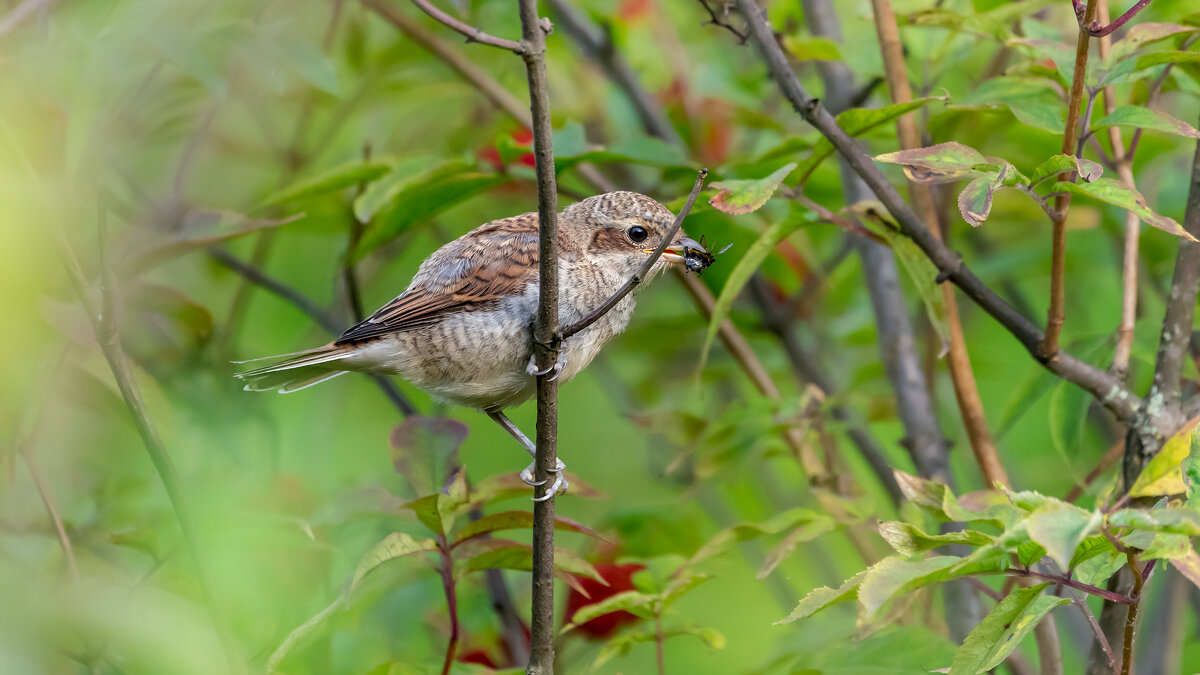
x=559, y=486
x=557, y=368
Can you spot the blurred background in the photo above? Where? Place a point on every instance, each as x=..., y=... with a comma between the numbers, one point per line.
x=231, y=144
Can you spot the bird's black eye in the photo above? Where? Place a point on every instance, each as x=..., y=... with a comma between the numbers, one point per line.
x=638, y=234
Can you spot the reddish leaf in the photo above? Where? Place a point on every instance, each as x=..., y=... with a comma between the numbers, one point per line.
x=619, y=578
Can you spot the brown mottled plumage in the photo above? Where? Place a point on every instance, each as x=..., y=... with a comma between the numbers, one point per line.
x=462, y=330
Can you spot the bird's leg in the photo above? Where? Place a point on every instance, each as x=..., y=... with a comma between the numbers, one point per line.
x=560, y=482
x=558, y=366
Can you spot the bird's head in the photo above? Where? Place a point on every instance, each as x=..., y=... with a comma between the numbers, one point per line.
x=626, y=228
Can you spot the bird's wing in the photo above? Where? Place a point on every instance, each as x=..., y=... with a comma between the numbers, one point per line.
x=474, y=271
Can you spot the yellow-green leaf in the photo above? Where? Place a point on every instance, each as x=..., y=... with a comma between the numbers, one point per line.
x=1163, y=475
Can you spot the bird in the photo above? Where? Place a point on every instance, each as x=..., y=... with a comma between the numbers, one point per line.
x=463, y=329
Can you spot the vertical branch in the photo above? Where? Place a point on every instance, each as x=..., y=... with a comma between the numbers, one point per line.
x=450, y=588
x=965, y=390
x=1129, y=266
x=533, y=38
x=1062, y=203
x=1144, y=441
x=897, y=343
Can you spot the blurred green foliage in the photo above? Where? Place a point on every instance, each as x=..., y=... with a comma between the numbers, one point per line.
x=303, y=137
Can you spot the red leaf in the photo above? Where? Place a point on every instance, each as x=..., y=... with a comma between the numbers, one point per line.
x=620, y=579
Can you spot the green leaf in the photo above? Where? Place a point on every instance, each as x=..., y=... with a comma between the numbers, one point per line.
x=1129, y=69
x=1003, y=629
x=915, y=263
x=1068, y=413
x=516, y=520
x=1060, y=53
x=909, y=540
x=1163, y=475
x=1141, y=35
x=1146, y=118
x=895, y=575
x=571, y=147
x=621, y=644
x=395, y=545
x=804, y=533
x=1170, y=520
x=1032, y=101
x=812, y=48
x=738, y=197
x=338, y=178
x=1060, y=528
x=1118, y=194
x=725, y=539
x=941, y=163
x=510, y=555
x=425, y=198
x=740, y=275
x=1188, y=566
x=438, y=511
x=310, y=64
x=858, y=121
x=1087, y=169
x=633, y=602
x=200, y=230
x=422, y=449
x=823, y=597
x=975, y=200
x=382, y=192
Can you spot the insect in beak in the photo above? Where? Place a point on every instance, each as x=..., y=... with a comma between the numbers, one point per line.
x=690, y=253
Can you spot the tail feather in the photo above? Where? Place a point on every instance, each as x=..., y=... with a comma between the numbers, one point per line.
x=303, y=370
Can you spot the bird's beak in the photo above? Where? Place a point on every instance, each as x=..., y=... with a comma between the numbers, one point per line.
x=677, y=251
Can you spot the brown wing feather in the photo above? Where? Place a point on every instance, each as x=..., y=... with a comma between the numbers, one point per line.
x=472, y=272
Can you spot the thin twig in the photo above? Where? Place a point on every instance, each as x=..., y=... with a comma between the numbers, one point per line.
x=450, y=589
x=1097, y=29
x=1123, y=165
x=966, y=392
x=1063, y=580
x=472, y=33
x=637, y=278
x=1108, y=390
x=723, y=21
x=64, y=539
x=1079, y=601
x=1062, y=203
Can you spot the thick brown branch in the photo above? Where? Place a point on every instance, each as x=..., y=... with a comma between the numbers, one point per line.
x=1107, y=389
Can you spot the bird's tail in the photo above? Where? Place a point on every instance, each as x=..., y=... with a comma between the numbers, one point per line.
x=302, y=370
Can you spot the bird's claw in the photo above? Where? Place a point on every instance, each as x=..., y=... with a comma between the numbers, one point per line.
x=557, y=368
x=559, y=486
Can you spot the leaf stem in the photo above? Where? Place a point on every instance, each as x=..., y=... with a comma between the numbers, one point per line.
x=450, y=588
